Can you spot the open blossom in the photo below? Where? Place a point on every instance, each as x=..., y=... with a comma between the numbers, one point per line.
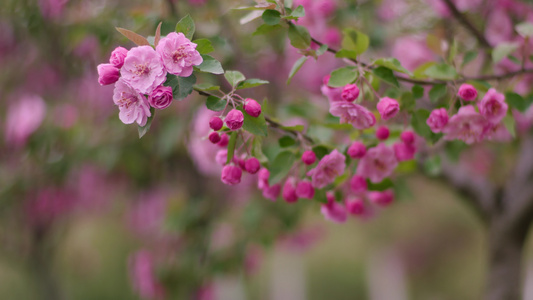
x=378, y=163
x=329, y=167
x=117, y=57
x=333, y=94
x=467, y=125
x=132, y=105
x=355, y=206
x=350, y=92
x=493, y=106
x=355, y=114
x=143, y=69
x=178, y=54
x=333, y=211
x=388, y=108
x=437, y=120
x=161, y=97
x=467, y=92
x=23, y=118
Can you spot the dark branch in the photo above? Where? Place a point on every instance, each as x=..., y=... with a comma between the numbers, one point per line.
x=467, y=24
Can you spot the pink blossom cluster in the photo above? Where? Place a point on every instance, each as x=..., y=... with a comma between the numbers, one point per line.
x=470, y=125
x=140, y=73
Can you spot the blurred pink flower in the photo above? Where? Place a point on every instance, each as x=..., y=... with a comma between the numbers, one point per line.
x=143, y=69
x=178, y=54
x=147, y=215
x=329, y=167
x=378, y=163
x=334, y=211
x=23, y=118
x=48, y=205
x=467, y=125
x=52, y=9
x=499, y=27
x=411, y=52
x=142, y=274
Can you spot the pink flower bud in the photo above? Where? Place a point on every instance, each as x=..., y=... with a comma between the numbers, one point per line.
x=467, y=92
x=240, y=162
x=234, y=119
x=408, y=137
x=357, y=150
x=355, y=206
x=350, y=92
x=107, y=74
x=381, y=198
x=404, y=151
x=117, y=57
x=308, y=157
x=358, y=184
x=216, y=123
x=161, y=97
x=493, y=106
x=382, y=133
x=221, y=157
x=214, y=137
x=333, y=211
x=252, y=108
x=252, y=165
x=289, y=190
x=388, y=108
x=437, y=120
x=224, y=140
x=262, y=178
x=305, y=190
x=231, y=175
x=272, y=192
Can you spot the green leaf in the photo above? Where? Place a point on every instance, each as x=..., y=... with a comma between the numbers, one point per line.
x=393, y=64
x=418, y=91
x=206, y=87
x=454, y=148
x=510, y=124
x=296, y=13
x=432, y=165
x=257, y=150
x=437, y=91
x=525, y=29
x=386, y=75
x=322, y=49
x=516, y=101
x=281, y=166
x=181, y=86
x=186, y=26
x=418, y=122
x=343, y=53
x=286, y=141
x=296, y=67
x=502, y=50
x=265, y=29
x=420, y=71
x=469, y=56
x=234, y=77
x=299, y=128
x=144, y=129
x=271, y=17
x=441, y=71
x=320, y=151
x=453, y=51
x=380, y=186
x=231, y=146
x=250, y=83
x=210, y=65
x=204, y=46
x=299, y=36
x=407, y=102
x=355, y=41
x=343, y=76
x=215, y=104
x=255, y=126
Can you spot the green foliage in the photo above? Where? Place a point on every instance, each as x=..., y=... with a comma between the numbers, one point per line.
x=271, y=17
x=251, y=83
x=441, y=71
x=386, y=75
x=299, y=36
x=469, y=56
x=144, y=129
x=204, y=46
x=516, y=101
x=296, y=67
x=206, y=87
x=256, y=126
x=380, y=186
x=525, y=29
x=281, y=166
x=355, y=41
x=343, y=76
x=234, y=77
x=181, y=86
x=503, y=50
x=286, y=141
x=210, y=65
x=296, y=13
x=418, y=91
x=215, y=104
x=231, y=146
x=186, y=26
x=437, y=92
x=393, y=64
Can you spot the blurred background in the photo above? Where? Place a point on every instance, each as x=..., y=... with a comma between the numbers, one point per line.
x=90, y=211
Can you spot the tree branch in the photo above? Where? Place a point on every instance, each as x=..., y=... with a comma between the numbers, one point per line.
x=467, y=24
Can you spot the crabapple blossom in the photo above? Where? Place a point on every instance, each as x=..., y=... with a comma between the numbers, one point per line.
x=117, y=57
x=437, y=120
x=161, y=97
x=178, y=54
x=234, y=119
x=407, y=137
x=231, y=175
x=381, y=198
x=355, y=206
x=350, y=92
x=404, y=151
x=329, y=167
x=308, y=157
x=224, y=140
x=289, y=190
x=107, y=74
x=252, y=108
x=216, y=123
x=493, y=106
x=388, y=108
x=382, y=133
x=214, y=137
x=23, y=118
x=333, y=211
x=143, y=69
x=358, y=184
x=305, y=190
x=357, y=150
x=355, y=114
x=133, y=106
x=378, y=163
x=467, y=92
x=467, y=125
x=252, y=165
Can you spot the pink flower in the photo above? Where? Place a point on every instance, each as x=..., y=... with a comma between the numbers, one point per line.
x=467, y=125
x=355, y=114
x=333, y=211
x=117, y=57
x=355, y=206
x=358, y=184
x=215, y=123
x=252, y=165
x=52, y=9
x=107, y=74
x=161, y=97
x=143, y=69
x=262, y=178
x=252, y=108
x=467, y=92
x=132, y=105
x=357, y=150
x=308, y=157
x=350, y=92
x=493, y=106
x=234, y=119
x=381, y=198
x=499, y=27
x=272, y=192
x=305, y=190
x=498, y=133
x=214, y=137
x=224, y=140
x=178, y=54
x=404, y=151
x=231, y=175
x=329, y=167
x=382, y=133
x=289, y=190
x=378, y=163
x=388, y=108
x=143, y=275
x=48, y=205
x=23, y=118
x=437, y=120
x=221, y=157
x=408, y=137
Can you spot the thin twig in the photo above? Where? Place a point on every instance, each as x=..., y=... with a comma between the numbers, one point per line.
x=467, y=24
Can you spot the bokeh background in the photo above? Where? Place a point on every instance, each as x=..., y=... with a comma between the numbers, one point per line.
x=90, y=211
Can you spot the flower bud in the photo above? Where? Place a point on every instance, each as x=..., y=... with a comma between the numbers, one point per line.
x=107, y=74
x=272, y=192
x=117, y=57
x=382, y=133
x=304, y=189
x=437, y=120
x=252, y=165
x=262, y=178
x=216, y=123
x=234, y=119
x=404, y=151
x=358, y=184
x=224, y=140
x=467, y=92
x=355, y=206
x=388, y=108
x=214, y=137
x=381, y=198
x=161, y=97
x=357, y=150
x=350, y=92
x=252, y=108
x=408, y=137
x=231, y=175
x=289, y=191
x=221, y=157
x=308, y=157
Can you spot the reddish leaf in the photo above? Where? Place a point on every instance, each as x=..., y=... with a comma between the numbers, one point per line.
x=139, y=40
x=157, y=34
